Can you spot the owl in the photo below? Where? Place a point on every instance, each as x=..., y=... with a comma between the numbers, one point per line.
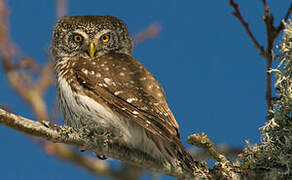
x=100, y=84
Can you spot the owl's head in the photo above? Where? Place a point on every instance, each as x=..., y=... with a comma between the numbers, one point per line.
x=90, y=36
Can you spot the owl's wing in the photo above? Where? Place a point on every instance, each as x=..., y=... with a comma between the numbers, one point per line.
x=129, y=93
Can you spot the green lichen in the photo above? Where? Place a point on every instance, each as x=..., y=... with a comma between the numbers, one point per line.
x=275, y=152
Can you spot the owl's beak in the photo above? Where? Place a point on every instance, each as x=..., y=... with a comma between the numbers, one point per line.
x=91, y=49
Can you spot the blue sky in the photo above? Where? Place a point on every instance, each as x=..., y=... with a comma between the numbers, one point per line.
x=213, y=77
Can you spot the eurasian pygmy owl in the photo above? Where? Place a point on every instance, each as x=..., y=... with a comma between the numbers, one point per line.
x=101, y=84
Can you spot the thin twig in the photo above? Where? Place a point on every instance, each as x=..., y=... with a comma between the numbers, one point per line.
x=45, y=79
x=238, y=15
x=272, y=34
x=227, y=151
x=6, y=47
x=269, y=21
x=152, y=31
x=61, y=7
x=281, y=26
x=203, y=141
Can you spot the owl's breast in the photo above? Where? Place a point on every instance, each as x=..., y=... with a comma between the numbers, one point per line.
x=79, y=109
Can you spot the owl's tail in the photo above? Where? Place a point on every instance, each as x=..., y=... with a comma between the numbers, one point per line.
x=174, y=154
x=184, y=160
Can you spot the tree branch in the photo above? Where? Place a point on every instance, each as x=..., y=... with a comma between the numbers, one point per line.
x=281, y=26
x=245, y=25
x=227, y=151
x=152, y=31
x=203, y=141
x=61, y=7
x=101, y=143
x=269, y=22
x=272, y=34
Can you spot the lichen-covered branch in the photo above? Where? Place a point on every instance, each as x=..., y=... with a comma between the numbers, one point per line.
x=275, y=152
x=203, y=141
x=228, y=151
x=224, y=166
x=98, y=142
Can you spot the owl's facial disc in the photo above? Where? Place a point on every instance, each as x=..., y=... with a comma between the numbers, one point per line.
x=100, y=43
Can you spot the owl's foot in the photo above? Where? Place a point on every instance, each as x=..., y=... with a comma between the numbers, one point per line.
x=101, y=157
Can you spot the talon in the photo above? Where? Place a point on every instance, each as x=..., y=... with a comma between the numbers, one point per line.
x=46, y=123
x=121, y=144
x=101, y=157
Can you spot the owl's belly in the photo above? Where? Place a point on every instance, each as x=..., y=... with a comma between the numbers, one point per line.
x=80, y=110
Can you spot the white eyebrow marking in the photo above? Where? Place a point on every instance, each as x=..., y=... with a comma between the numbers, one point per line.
x=100, y=33
x=80, y=31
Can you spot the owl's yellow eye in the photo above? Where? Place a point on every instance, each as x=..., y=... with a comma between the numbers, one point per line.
x=105, y=38
x=77, y=38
